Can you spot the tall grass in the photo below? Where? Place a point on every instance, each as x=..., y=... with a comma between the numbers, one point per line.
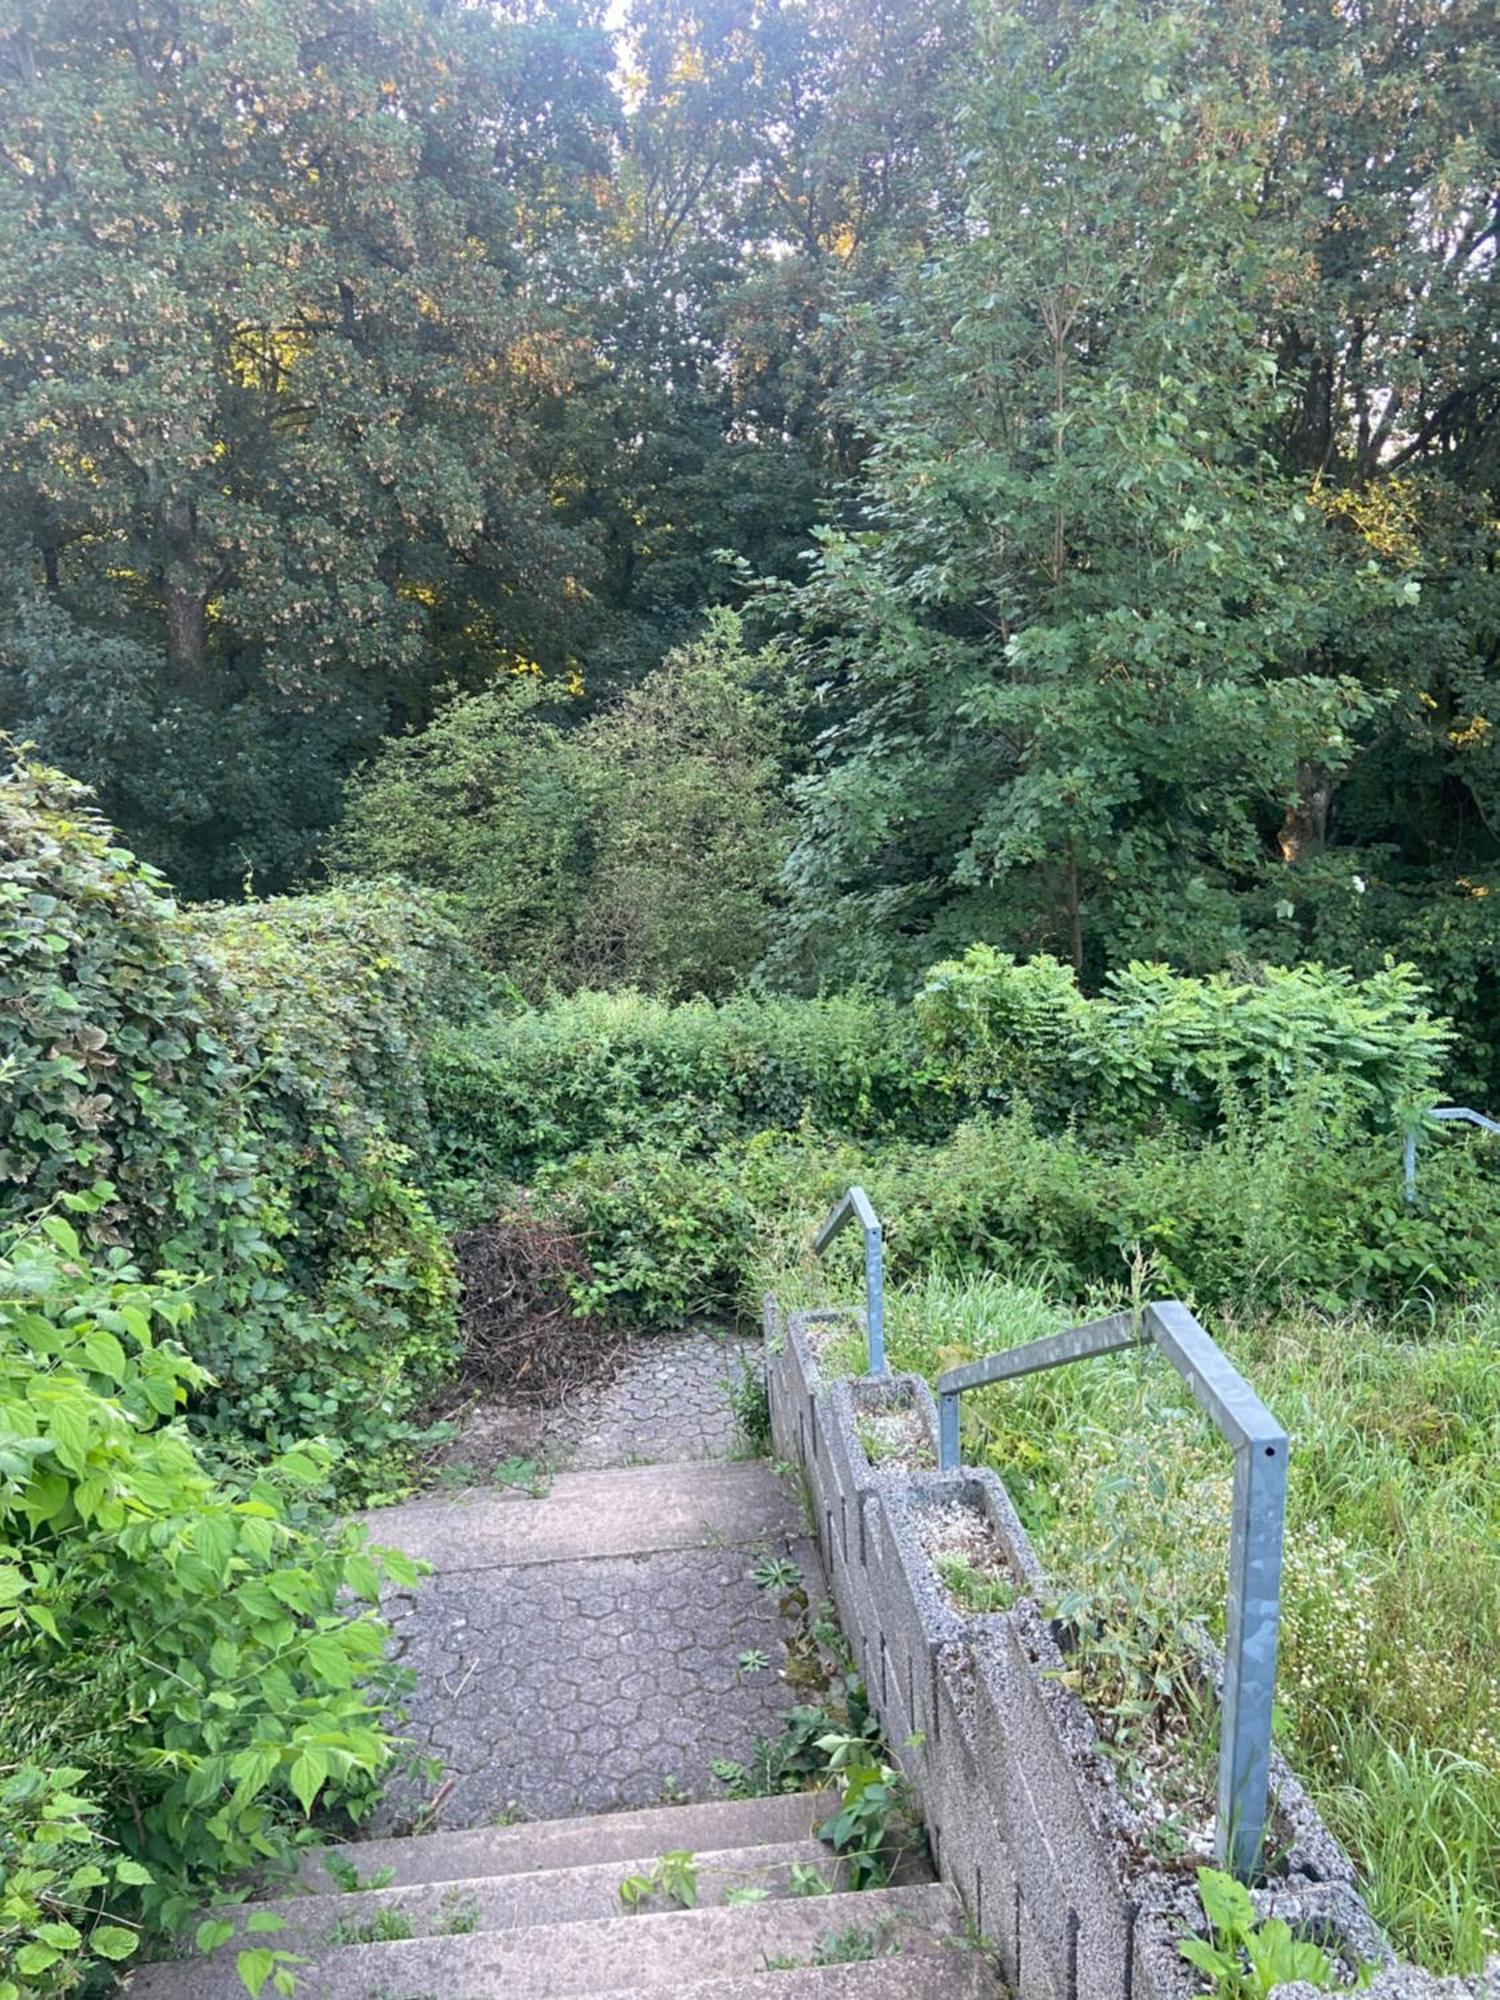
x=1390, y=1664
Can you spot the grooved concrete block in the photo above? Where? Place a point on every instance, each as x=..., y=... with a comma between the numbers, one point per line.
x=1409, y=1982
x=1039, y=1745
x=1024, y=1814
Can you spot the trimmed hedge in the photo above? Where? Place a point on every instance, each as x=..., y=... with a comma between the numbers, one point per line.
x=606, y=1070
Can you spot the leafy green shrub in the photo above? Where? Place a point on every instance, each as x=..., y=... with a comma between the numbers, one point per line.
x=645, y=845
x=619, y=1069
x=180, y=1679
x=1157, y=1041
x=666, y=1234
x=241, y=1078
x=1299, y=1201
x=490, y=804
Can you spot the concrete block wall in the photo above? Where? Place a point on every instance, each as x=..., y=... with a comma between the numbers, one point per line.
x=1024, y=1813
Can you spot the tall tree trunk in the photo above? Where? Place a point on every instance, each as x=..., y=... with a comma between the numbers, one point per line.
x=1075, y=913
x=186, y=600
x=1304, y=831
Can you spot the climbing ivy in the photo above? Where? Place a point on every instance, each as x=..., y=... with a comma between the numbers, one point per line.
x=247, y=1083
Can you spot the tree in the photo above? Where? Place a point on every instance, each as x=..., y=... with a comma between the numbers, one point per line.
x=777, y=157
x=691, y=822
x=1099, y=643
x=493, y=804
x=281, y=338
x=644, y=847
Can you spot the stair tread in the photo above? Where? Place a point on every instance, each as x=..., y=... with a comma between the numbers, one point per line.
x=520, y=1900
x=958, y=1974
x=471, y=1852
x=641, y=1953
x=627, y=1510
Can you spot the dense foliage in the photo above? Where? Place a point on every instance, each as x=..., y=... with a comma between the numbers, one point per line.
x=180, y=1676
x=645, y=845
x=1246, y=1137
x=842, y=589
x=1161, y=1044
x=1301, y=1204
x=1106, y=392
x=520, y=1092
x=1167, y=625
x=248, y=1082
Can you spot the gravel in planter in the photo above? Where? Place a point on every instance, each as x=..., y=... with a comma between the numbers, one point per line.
x=895, y=1439
x=967, y=1557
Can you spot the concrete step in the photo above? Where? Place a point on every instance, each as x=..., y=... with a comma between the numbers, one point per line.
x=711, y=1827
x=515, y=1902
x=643, y=1953
x=633, y=1510
x=958, y=1973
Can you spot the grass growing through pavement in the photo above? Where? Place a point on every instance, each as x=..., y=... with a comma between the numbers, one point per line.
x=1390, y=1664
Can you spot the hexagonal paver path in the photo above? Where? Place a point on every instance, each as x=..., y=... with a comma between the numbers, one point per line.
x=596, y=1648
x=670, y=1402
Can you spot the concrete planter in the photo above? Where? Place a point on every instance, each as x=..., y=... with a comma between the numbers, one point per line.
x=1025, y=1813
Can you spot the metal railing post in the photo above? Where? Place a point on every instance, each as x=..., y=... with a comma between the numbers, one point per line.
x=1446, y=1114
x=856, y=1207
x=1251, y=1630
x=948, y=1431
x=1257, y=1524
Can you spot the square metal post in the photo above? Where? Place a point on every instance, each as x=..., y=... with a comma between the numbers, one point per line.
x=948, y=1430
x=1252, y=1624
x=875, y=1299
x=856, y=1207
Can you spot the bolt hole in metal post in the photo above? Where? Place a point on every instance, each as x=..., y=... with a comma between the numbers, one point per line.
x=856, y=1207
x=1445, y=1114
x=1257, y=1522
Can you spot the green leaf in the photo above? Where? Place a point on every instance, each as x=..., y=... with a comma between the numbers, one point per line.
x=104, y=1354
x=64, y=1936
x=62, y=1233
x=308, y=1775
x=1226, y=1903
x=255, y=1968
x=113, y=1941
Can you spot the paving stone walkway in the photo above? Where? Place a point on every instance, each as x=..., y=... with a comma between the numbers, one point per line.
x=669, y=1405
x=600, y=1646
x=582, y=1655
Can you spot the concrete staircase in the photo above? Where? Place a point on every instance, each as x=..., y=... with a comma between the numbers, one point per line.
x=582, y=1653
x=532, y=1912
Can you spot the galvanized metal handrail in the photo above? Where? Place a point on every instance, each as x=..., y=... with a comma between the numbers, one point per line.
x=1447, y=1113
x=1255, y=1535
x=856, y=1207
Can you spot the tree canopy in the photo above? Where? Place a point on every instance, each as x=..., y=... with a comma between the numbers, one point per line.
x=1101, y=399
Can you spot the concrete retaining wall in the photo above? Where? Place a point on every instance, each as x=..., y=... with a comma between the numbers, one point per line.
x=1024, y=1813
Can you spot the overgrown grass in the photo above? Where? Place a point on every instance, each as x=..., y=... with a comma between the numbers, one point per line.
x=1390, y=1664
